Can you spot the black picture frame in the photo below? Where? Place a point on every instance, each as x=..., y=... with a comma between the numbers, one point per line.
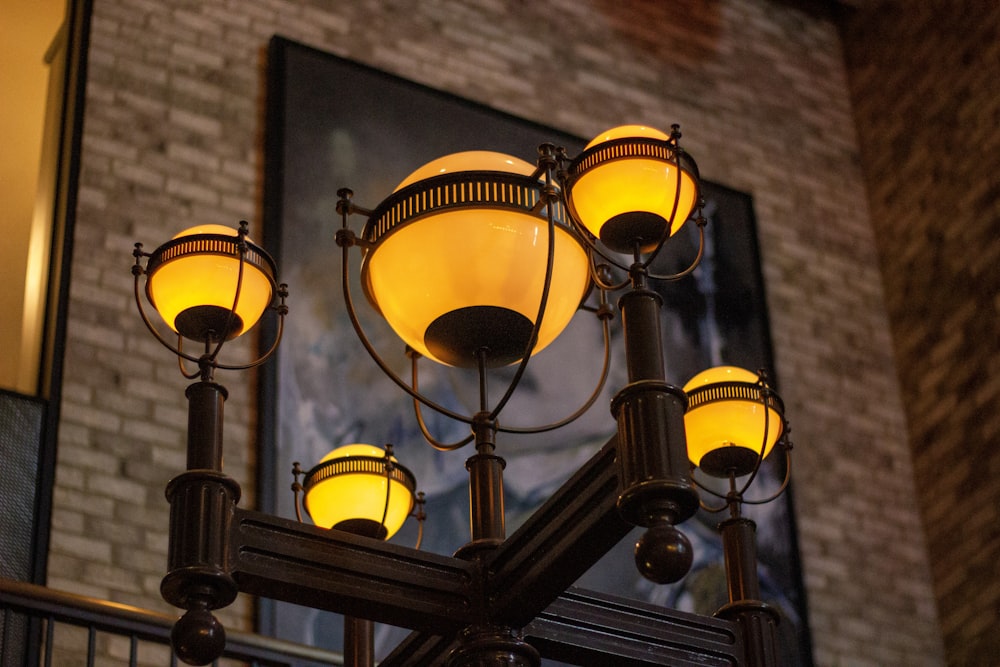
x=335, y=123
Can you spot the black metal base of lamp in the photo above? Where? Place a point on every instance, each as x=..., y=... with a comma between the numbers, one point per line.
x=726, y=461
x=624, y=232
x=457, y=337
x=209, y=324
x=363, y=527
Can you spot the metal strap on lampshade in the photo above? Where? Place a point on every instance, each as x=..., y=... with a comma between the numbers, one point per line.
x=725, y=421
x=458, y=257
x=194, y=280
x=360, y=489
x=632, y=187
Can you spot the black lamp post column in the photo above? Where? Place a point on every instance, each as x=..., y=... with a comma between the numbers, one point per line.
x=486, y=507
x=202, y=501
x=656, y=490
x=758, y=620
x=359, y=642
x=485, y=643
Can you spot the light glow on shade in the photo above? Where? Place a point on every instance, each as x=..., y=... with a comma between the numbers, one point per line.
x=467, y=161
x=194, y=280
x=352, y=496
x=473, y=256
x=733, y=422
x=631, y=185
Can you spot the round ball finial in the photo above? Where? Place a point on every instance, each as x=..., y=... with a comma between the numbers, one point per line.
x=663, y=554
x=198, y=637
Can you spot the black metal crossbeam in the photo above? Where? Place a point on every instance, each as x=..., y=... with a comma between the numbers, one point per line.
x=558, y=543
x=529, y=572
x=585, y=628
x=523, y=584
x=336, y=571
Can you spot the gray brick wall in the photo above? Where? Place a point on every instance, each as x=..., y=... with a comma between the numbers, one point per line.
x=924, y=82
x=173, y=138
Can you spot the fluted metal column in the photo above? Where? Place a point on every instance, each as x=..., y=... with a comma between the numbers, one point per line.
x=656, y=490
x=202, y=504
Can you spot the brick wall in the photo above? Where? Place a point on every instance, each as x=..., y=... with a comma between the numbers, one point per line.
x=931, y=155
x=173, y=138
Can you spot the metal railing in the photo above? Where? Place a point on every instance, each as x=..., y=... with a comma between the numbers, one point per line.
x=43, y=626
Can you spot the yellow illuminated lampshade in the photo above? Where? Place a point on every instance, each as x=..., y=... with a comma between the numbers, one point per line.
x=458, y=258
x=624, y=188
x=192, y=282
x=351, y=490
x=725, y=420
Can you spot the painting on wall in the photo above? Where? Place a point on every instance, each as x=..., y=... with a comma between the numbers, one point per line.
x=334, y=123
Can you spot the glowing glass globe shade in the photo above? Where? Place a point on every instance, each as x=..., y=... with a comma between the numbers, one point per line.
x=458, y=261
x=625, y=192
x=192, y=282
x=725, y=421
x=350, y=490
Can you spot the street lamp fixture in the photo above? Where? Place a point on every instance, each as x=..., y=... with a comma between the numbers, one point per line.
x=477, y=260
x=362, y=490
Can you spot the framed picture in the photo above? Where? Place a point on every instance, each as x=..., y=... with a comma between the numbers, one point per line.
x=333, y=123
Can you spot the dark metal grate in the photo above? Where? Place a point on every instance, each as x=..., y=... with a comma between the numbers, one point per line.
x=21, y=421
x=20, y=436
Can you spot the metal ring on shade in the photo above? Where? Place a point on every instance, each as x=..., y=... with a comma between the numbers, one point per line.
x=458, y=190
x=628, y=148
x=372, y=465
x=212, y=244
x=734, y=391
